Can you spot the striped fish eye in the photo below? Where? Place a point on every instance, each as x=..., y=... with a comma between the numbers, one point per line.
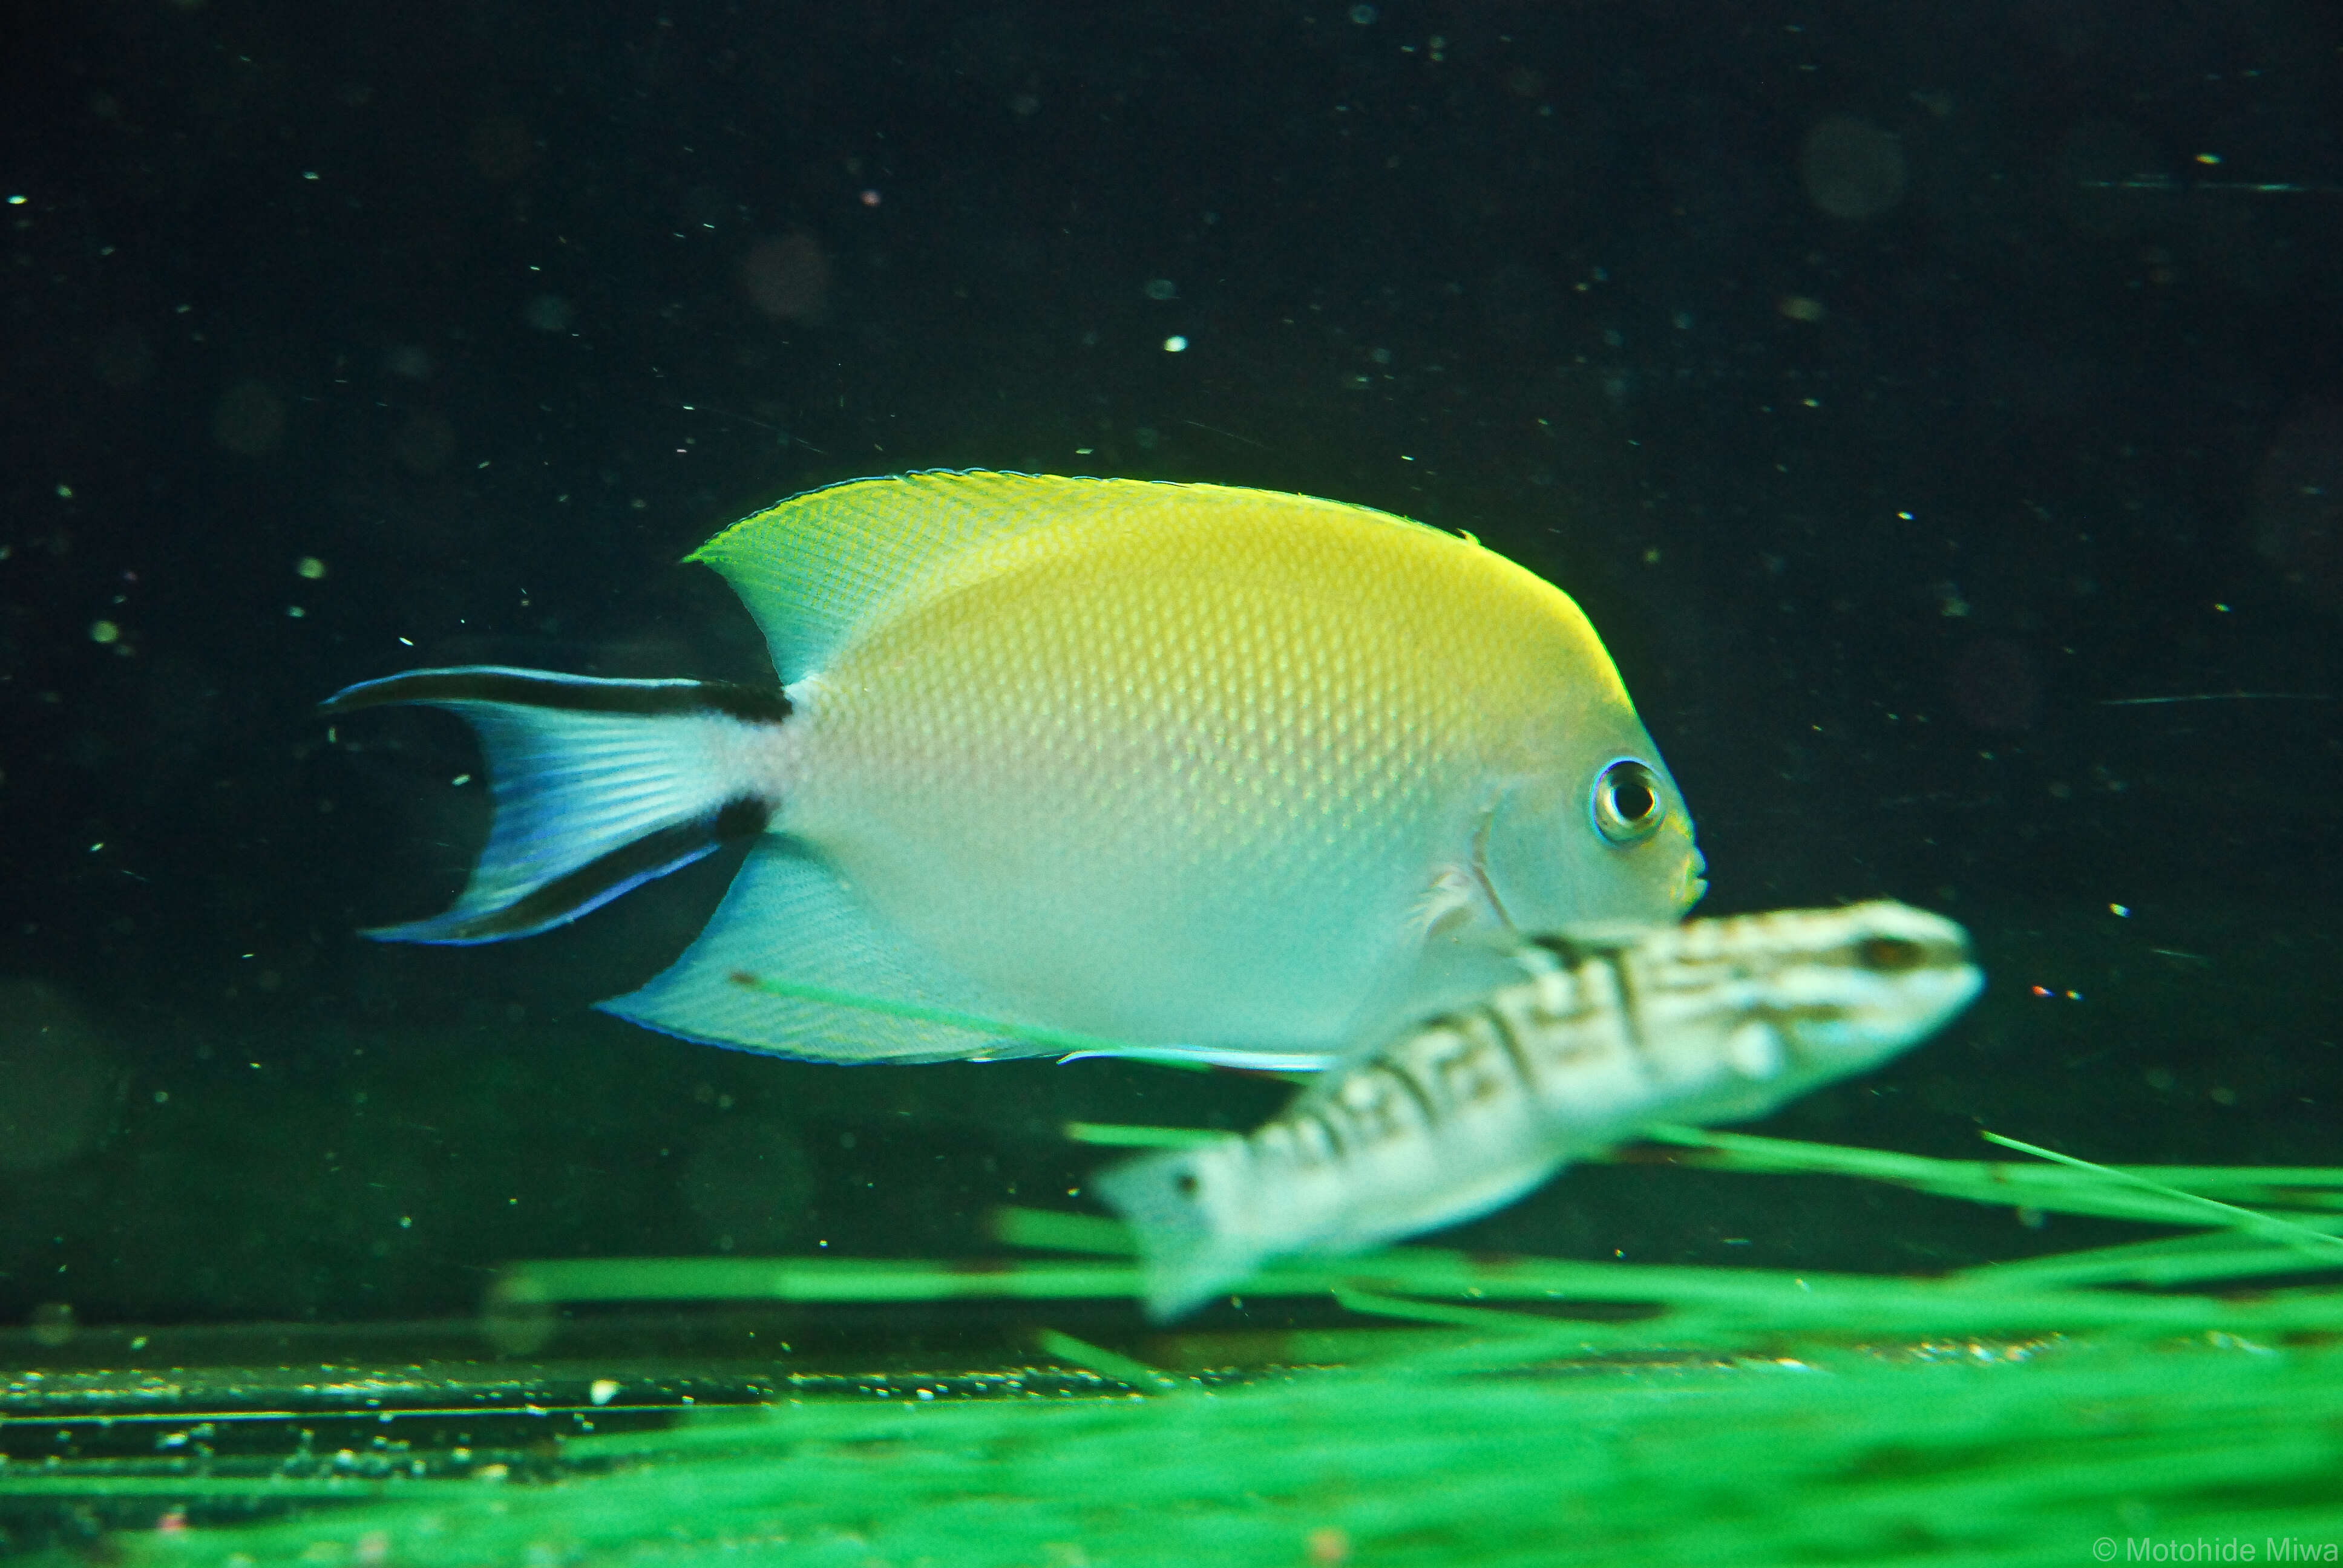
x=1627, y=805
x=1891, y=955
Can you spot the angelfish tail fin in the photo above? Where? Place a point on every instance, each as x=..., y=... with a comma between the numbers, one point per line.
x=1189, y=1251
x=598, y=786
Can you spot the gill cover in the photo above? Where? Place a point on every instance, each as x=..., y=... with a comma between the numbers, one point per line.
x=1550, y=850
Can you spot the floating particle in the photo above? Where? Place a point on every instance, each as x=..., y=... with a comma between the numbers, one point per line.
x=310, y=566
x=103, y=631
x=1175, y=344
x=1160, y=288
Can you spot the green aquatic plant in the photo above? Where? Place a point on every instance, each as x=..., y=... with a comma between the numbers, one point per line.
x=2044, y=1411
x=1969, y=1458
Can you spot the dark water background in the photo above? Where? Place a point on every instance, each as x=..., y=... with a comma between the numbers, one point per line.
x=1806, y=344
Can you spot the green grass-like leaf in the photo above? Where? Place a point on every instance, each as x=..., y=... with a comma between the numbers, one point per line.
x=2008, y=1414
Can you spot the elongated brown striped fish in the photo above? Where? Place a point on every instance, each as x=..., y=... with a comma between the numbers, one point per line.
x=1611, y=1031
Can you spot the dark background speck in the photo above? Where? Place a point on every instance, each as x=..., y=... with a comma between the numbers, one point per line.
x=1897, y=387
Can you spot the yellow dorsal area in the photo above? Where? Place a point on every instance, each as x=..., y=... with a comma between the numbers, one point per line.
x=835, y=566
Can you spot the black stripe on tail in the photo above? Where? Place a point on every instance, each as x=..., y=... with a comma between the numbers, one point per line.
x=598, y=882
x=577, y=694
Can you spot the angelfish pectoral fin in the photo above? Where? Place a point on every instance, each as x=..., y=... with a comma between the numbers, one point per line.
x=599, y=787
x=1453, y=902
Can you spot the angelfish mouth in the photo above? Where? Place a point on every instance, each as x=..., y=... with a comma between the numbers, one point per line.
x=1694, y=884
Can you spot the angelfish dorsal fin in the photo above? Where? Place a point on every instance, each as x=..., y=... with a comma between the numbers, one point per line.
x=815, y=567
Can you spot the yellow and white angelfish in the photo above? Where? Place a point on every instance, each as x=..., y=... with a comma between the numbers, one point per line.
x=1230, y=775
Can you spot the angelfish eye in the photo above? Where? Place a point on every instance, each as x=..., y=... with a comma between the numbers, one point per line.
x=1626, y=805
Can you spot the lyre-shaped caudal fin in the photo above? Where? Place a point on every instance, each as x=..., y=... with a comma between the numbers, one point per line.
x=598, y=786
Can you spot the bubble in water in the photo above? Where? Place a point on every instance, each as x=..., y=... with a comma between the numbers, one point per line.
x=787, y=279
x=503, y=147
x=548, y=313
x=1852, y=168
x=53, y=1324
x=516, y=1319
x=1995, y=686
x=750, y=1182
x=424, y=441
x=2298, y=504
x=410, y=360
x=123, y=359
x=248, y=419
x=55, y=1077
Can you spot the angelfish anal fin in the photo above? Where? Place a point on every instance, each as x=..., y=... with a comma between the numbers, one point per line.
x=789, y=915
